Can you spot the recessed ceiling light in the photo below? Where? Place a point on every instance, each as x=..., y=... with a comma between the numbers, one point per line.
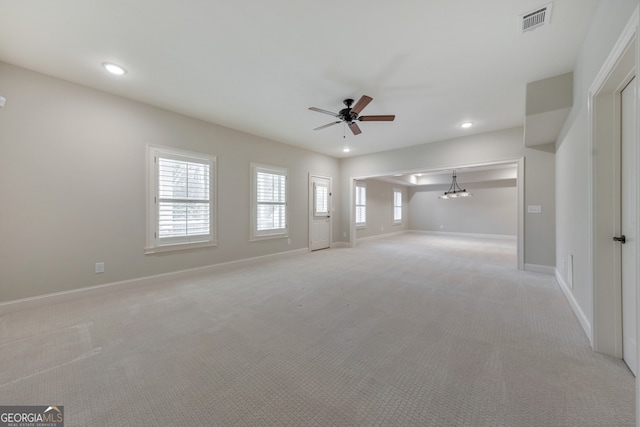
x=114, y=69
x=466, y=125
x=346, y=149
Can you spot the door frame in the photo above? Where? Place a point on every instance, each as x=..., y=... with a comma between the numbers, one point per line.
x=629, y=205
x=604, y=192
x=330, y=207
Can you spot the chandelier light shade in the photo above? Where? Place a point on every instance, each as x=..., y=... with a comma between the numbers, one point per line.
x=455, y=191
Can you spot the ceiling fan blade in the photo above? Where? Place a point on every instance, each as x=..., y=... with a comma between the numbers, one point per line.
x=327, y=125
x=387, y=118
x=354, y=128
x=320, y=110
x=362, y=102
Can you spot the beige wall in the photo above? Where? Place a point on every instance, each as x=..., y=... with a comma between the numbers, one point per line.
x=380, y=209
x=72, y=186
x=493, y=209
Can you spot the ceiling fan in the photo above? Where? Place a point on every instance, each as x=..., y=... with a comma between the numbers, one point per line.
x=349, y=115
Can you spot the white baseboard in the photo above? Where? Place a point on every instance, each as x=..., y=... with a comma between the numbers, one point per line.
x=74, y=294
x=474, y=235
x=582, y=318
x=544, y=269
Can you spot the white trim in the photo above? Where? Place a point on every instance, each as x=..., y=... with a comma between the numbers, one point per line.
x=606, y=330
x=352, y=212
x=626, y=37
x=153, y=244
x=577, y=310
x=361, y=184
x=395, y=190
x=177, y=247
x=520, y=202
x=279, y=233
x=312, y=203
x=90, y=291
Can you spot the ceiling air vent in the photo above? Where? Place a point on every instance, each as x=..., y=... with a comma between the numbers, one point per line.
x=536, y=18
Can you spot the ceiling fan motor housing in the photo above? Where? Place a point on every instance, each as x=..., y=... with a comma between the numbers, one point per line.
x=346, y=114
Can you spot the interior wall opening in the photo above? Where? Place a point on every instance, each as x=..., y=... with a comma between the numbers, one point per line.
x=496, y=185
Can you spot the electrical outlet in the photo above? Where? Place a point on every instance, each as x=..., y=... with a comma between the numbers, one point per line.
x=288, y=241
x=344, y=234
x=99, y=267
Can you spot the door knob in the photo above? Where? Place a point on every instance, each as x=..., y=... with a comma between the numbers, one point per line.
x=621, y=239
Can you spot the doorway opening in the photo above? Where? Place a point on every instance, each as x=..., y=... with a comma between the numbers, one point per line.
x=518, y=167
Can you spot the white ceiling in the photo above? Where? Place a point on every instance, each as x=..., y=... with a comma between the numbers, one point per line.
x=257, y=66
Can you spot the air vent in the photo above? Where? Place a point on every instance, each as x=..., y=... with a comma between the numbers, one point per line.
x=536, y=18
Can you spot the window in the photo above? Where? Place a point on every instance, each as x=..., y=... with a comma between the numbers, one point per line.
x=397, y=206
x=321, y=199
x=181, y=202
x=268, y=202
x=361, y=204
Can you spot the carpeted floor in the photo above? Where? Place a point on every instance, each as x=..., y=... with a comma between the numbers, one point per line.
x=410, y=330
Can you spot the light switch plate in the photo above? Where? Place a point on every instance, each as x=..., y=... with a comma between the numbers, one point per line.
x=534, y=209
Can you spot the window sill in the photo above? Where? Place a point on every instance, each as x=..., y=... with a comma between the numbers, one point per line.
x=361, y=226
x=177, y=247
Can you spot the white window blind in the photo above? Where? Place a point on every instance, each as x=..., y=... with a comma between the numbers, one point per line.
x=397, y=206
x=320, y=199
x=361, y=204
x=184, y=207
x=269, y=201
x=181, y=209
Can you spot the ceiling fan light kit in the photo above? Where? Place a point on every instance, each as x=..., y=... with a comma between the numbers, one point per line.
x=350, y=115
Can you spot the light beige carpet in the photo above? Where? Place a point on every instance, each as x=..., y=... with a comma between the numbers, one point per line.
x=412, y=330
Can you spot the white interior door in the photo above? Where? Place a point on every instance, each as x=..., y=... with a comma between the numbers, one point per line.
x=320, y=212
x=629, y=188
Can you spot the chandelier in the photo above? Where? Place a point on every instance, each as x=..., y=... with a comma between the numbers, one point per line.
x=455, y=190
